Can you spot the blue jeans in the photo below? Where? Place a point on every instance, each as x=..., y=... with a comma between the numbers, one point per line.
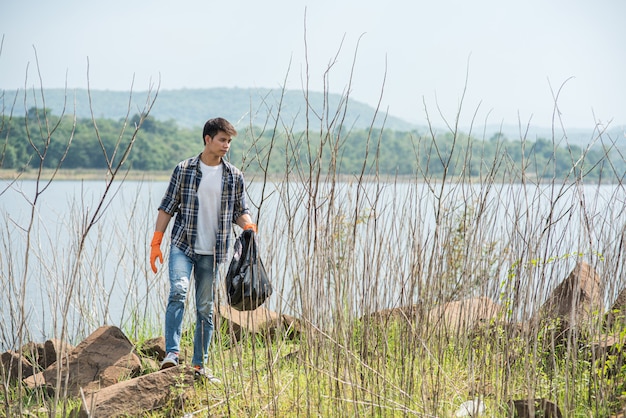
x=205, y=275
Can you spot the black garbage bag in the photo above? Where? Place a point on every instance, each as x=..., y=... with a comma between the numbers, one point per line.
x=247, y=283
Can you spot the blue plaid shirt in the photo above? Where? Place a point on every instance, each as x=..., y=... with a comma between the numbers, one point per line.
x=181, y=200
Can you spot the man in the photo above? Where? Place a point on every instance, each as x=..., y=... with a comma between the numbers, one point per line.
x=206, y=194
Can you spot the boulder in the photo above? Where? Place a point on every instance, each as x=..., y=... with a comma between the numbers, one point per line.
x=534, y=408
x=51, y=348
x=607, y=351
x=606, y=345
x=35, y=357
x=407, y=314
x=35, y=354
x=102, y=359
x=463, y=315
x=576, y=300
x=10, y=363
x=468, y=315
x=617, y=313
x=136, y=397
x=154, y=347
x=259, y=321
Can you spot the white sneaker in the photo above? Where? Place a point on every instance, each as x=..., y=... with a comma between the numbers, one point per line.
x=203, y=373
x=170, y=360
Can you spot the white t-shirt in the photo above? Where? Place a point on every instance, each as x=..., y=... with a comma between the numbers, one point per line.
x=209, y=202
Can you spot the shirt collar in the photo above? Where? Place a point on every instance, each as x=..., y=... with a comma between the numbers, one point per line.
x=196, y=162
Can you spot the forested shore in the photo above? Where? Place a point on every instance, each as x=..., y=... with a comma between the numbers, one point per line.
x=158, y=145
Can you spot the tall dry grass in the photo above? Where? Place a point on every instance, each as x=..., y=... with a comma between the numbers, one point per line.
x=68, y=282
x=344, y=251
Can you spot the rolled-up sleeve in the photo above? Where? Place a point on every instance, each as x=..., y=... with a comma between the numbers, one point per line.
x=171, y=199
x=240, y=203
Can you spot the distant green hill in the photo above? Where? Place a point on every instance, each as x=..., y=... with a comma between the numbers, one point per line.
x=171, y=133
x=190, y=108
x=615, y=134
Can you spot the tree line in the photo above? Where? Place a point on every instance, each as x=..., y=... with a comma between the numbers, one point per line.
x=88, y=143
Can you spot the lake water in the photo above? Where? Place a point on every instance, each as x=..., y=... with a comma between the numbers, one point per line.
x=331, y=248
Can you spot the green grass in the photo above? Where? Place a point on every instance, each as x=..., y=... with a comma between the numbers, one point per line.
x=394, y=372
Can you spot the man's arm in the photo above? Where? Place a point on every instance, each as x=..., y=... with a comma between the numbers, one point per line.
x=163, y=219
x=245, y=222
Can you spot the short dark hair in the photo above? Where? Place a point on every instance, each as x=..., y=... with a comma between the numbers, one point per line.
x=212, y=126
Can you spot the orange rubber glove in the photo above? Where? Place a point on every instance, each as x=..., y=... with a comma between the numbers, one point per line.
x=250, y=226
x=155, y=250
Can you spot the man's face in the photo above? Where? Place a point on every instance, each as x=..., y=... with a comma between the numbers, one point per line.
x=219, y=144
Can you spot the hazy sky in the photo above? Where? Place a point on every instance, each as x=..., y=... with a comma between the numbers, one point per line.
x=417, y=54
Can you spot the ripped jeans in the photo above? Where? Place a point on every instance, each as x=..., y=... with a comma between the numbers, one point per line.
x=205, y=274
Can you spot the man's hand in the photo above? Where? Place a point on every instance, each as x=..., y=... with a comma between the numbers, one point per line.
x=155, y=250
x=250, y=226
